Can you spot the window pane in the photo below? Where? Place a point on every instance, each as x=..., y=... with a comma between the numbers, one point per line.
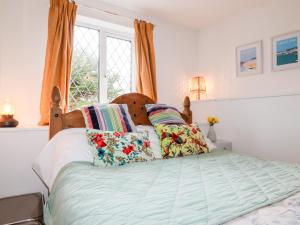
x=119, y=67
x=84, y=82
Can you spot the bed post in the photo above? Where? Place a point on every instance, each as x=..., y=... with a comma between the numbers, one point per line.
x=55, y=113
x=187, y=110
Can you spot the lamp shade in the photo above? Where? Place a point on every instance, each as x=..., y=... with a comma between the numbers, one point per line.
x=197, y=87
x=7, y=108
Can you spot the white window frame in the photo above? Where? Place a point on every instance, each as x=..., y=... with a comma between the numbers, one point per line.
x=102, y=65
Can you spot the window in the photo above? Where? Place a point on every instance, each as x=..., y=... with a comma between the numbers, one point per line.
x=102, y=66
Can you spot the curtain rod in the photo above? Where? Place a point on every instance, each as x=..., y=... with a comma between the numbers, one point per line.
x=104, y=11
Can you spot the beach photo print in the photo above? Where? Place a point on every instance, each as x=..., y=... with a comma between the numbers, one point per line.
x=249, y=59
x=286, y=52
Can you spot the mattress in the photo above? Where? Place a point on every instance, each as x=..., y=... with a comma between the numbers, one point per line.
x=208, y=189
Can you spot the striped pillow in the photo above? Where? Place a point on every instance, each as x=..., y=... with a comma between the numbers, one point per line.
x=163, y=114
x=108, y=117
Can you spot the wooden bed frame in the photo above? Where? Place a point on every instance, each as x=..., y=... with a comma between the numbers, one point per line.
x=136, y=105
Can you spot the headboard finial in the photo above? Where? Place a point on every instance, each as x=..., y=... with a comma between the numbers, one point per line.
x=187, y=109
x=56, y=96
x=55, y=113
x=187, y=102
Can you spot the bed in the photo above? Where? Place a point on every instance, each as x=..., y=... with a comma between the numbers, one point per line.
x=220, y=187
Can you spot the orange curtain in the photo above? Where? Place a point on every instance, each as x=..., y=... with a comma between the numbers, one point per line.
x=61, y=21
x=145, y=59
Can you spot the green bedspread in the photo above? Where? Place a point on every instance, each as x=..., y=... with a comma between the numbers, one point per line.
x=209, y=189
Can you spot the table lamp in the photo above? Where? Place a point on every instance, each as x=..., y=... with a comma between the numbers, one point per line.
x=197, y=87
x=7, y=115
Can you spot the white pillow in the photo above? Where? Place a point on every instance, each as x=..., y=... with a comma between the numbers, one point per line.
x=211, y=146
x=66, y=146
x=153, y=138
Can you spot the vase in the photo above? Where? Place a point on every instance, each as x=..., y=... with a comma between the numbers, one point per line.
x=211, y=135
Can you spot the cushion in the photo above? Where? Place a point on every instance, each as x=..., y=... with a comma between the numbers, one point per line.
x=163, y=114
x=180, y=140
x=110, y=117
x=118, y=148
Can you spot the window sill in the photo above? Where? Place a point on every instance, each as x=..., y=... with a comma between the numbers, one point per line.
x=23, y=127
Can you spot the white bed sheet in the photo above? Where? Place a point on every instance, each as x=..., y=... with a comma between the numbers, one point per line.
x=67, y=146
x=286, y=212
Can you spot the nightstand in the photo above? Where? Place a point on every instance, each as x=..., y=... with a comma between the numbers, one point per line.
x=224, y=145
x=22, y=210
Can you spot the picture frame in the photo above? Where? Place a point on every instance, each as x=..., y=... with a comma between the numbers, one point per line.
x=249, y=60
x=286, y=51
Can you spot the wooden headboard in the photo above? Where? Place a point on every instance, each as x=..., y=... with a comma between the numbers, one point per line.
x=74, y=119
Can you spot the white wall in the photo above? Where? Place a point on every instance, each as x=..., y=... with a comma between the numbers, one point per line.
x=176, y=57
x=19, y=146
x=22, y=47
x=23, y=32
x=267, y=127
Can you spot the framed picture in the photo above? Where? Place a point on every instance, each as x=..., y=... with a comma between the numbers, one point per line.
x=249, y=59
x=286, y=51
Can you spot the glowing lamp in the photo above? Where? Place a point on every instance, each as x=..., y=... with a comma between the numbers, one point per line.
x=197, y=88
x=7, y=115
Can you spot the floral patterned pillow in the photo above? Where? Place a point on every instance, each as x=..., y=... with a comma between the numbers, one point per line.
x=119, y=148
x=180, y=140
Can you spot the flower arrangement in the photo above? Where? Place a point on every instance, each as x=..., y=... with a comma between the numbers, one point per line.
x=212, y=120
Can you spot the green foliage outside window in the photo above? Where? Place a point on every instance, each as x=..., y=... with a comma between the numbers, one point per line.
x=84, y=86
